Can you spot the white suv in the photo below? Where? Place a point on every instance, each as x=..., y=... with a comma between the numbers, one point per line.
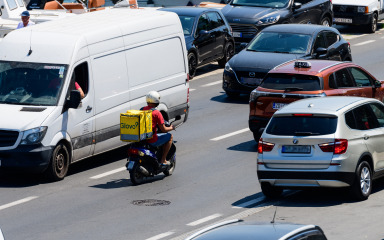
x=323, y=142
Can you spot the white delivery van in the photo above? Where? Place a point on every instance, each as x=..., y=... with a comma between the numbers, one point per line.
x=358, y=12
x=116, y=56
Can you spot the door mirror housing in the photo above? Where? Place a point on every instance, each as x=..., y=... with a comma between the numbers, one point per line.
x=203, y=33
x=321, y=51
x=74, y=99
x=377, y=84
x=296, y=5
x=243, y=45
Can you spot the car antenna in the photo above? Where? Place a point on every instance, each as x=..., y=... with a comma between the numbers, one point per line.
x=30, y=44
x=274, y=215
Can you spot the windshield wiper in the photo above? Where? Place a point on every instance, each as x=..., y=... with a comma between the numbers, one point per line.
x=290, y=89
x=305, y=133
x=280, y=52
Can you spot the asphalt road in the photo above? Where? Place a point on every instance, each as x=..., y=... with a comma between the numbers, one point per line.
x=215, y=179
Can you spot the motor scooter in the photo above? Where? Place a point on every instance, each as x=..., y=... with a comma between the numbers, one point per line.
x=144, y=160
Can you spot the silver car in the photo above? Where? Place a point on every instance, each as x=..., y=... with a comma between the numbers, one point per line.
x=323, y=142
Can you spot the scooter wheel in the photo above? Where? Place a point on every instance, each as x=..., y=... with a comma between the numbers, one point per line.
x=136, y=176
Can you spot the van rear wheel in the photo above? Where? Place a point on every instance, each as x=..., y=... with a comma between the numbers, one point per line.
x=59, y=164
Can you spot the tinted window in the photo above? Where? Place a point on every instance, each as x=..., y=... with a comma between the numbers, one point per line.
x=262, y=3
x=280, y=42
x=302, y=125
x=378, y=110
x=331, y=38
x=364, y=118
x=291, y=82
x=202, y=24
x=343, y=79
x=11, y=4
x=320, y=41
x=331, y=81
x=310, y=235
x=187, y=23
x=361, y=78
x=214, y=20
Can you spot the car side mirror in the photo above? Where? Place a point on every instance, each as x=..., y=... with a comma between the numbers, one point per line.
x=377, y=84
x=203, y=32
x=321, y=51
x=243, y=45
x=296, y=5
x=74, y=99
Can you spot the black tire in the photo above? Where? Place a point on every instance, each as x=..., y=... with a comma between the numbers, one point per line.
x=232, y=95
x=229, y=51
x=270, y=191
x=59, y=164
x=372, y=26
x=192, y=64
x=136, y=176
x=325, y=22
x=362, y=186
x=169, y=172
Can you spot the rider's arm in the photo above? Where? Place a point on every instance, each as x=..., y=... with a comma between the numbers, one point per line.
x=165, y=129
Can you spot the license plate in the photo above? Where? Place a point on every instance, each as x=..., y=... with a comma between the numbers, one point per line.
x=296, y=149
x=342, y=20
x=130, y=165
x=251, y=81
x=278, y=105
x=237, y=34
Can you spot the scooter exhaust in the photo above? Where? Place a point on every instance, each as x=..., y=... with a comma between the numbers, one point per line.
x=144, y=171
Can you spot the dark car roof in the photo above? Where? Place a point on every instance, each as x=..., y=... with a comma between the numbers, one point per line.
x=251, y=231
x=189, y=11
x=298, y=28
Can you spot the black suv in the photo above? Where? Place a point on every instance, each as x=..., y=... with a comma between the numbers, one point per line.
x=207, y=35
x=248, y=17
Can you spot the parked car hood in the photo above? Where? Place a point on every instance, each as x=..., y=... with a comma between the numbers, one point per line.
x=265, y=60
x=237, y=13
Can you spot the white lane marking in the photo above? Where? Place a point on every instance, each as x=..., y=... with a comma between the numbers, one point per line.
x=24, y=200
x=249, y=203
x=203, y=220
x=160, y=236
x=109, y=173
x=213, y=83
x=191, y=89
x=208, y=74
x=363, y=43
x=230, y=134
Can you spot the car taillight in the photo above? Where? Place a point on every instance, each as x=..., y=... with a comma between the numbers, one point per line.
x=264, y=146
x=339, y=146
x=135, y=152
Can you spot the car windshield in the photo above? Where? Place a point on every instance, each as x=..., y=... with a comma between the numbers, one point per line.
x=291, y=82
x=261, y=3
x=280, y=43
x=31, y=83
x=302, y=125
x=187, y=23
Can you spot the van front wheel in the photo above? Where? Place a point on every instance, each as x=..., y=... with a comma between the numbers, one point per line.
x=58, y=166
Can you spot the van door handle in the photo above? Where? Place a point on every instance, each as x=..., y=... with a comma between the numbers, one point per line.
x=89, y=108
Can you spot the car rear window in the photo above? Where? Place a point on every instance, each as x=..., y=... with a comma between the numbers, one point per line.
x=291, y=82
x=302, y=125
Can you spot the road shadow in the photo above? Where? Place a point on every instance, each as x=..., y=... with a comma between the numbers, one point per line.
x=257, y=198
x=207, y=68
x=250, y=146
x=126, y=182
x=223, y=98
x=22, y=179
x=355, y=30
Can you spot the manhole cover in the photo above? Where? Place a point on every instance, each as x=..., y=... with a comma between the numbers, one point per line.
x=151, y=202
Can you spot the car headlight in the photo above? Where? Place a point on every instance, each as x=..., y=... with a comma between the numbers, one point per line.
x=268, y=20
x=33, y=136
x=361, y=9
x=228, y=68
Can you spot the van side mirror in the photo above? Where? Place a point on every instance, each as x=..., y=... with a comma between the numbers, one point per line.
x=74, y=99
x=321, y=51
x=296, y=5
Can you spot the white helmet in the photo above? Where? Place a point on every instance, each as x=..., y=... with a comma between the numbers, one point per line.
x=153, y=97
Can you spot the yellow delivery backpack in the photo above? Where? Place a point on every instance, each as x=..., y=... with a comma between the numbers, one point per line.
x=136, y=125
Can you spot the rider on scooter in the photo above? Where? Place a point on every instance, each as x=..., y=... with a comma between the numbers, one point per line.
x=159, y=139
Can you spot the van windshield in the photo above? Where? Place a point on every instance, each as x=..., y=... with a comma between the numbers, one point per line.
x=25, y=83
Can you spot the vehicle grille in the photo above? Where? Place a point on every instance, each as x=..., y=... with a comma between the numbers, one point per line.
x=244, y=28
x=250, y=78
x=344, y=9
x=8, y=138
